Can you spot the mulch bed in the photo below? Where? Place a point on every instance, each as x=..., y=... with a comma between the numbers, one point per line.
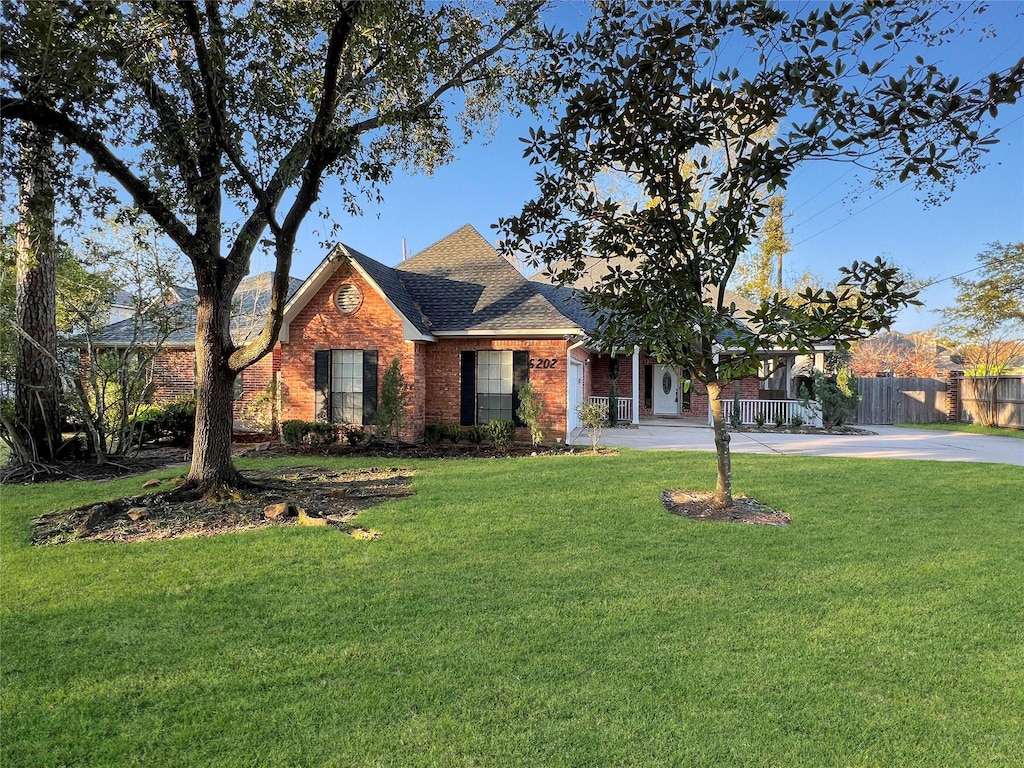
x=696, y=505
x=302, y=496
x=766, y=429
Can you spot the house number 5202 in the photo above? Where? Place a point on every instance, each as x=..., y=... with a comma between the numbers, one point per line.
x=543, y=362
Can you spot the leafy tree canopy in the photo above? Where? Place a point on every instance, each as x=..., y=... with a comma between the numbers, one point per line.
x=222, y=119
x=654, y=89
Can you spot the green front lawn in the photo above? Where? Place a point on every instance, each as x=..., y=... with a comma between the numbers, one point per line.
x=538, y=612
x=959, y=426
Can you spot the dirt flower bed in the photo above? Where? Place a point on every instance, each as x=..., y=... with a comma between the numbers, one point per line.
x=696, y=505
x=301, y=496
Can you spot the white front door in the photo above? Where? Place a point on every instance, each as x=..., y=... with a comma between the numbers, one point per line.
x=665, y=388
x=575, y=393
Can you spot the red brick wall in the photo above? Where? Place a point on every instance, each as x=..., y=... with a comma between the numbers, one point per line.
x=174, y=374
x=254, y=381
x=320, y=325
x=443, y=379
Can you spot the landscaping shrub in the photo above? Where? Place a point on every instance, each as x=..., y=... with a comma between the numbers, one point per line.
x=796, y=420
x=354, y=433
x=593, y=417
x=735, y=418
x=530, y=409
x=321, y=435
x=475, y=434
x=780, y=420
x=455, y=433
x=838, y=397
x=502, y=433
x=394, y=402
x=293, y=432
x=759, y=418
x=434, y=433
x=175, y=420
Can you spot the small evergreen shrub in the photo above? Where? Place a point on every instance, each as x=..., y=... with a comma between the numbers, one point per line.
x=434, y=433
x=735, y=418
x=796, y=420
x=502, y=433
x=354, y=433
x=175, y=420
x=455, y=433
x=838, y=397
x=759, y=418
x=780, y=420
x=321, y=435
x=293, y=432
x=475, y=434
x=394, y=402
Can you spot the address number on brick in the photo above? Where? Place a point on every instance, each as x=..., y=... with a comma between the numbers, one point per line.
x=543, y=362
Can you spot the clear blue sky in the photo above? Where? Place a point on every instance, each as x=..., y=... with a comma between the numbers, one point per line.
x=827, y=227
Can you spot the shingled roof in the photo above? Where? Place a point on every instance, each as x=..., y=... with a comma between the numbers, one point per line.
x=251, y=302
x=463, y=285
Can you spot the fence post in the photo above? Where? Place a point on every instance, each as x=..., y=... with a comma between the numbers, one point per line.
x=953, y=395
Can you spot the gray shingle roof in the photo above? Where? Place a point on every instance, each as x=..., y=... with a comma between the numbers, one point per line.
x=391, y=283
x=251, y=302
x=462, y=284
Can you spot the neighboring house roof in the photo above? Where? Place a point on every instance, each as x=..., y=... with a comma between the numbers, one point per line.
x=251, y=302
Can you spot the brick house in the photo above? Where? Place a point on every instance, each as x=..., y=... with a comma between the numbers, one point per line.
x=468, y=329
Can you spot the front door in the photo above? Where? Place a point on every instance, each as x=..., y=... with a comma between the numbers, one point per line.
x=666, y=391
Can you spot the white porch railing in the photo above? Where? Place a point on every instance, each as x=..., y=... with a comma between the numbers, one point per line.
x=773, y=411
x=624, y=406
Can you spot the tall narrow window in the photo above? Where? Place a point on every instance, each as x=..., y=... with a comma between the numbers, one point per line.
x=347, y=386
x=490, y=382
x=493, y=385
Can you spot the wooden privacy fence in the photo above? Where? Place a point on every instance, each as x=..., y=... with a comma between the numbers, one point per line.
x=901, y=401
x=992, y=400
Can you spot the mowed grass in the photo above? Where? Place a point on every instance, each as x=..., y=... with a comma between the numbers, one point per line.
x=959, y=426
x=538, y=612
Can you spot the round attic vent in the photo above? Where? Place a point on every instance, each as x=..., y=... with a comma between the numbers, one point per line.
x=348, y=299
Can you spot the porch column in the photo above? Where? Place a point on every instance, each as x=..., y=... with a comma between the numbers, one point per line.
x=636, y=384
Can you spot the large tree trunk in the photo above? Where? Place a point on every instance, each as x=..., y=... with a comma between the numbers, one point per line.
x=37, y=381
x=723, y=489
x=211, y=447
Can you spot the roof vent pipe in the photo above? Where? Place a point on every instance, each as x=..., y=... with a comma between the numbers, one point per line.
x=403, y=249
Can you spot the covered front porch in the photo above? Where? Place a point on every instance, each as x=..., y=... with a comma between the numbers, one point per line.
x=647, y=391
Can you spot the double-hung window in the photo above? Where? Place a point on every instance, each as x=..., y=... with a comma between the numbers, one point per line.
x=490, y=384
x=345, y=383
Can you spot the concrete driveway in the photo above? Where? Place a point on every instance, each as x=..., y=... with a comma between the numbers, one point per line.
x=889, y=443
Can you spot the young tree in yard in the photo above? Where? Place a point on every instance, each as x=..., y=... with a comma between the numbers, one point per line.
x=223, y=120
x=651, y=85
x=530, y=409
x=986, y=325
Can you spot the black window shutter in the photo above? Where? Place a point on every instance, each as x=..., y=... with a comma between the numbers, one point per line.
x=369, y=385
x=648, y=385
x=467, y=404
x=520, y=375
x=322, y=385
